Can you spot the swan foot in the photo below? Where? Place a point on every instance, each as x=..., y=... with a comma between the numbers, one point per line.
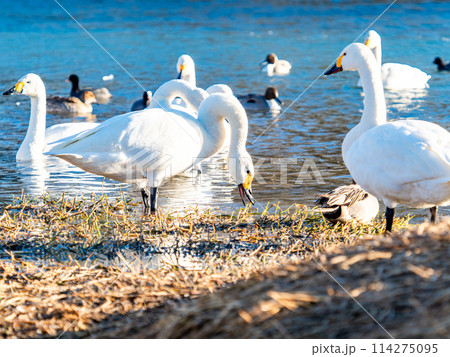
x=389, y=219
x=434, y=214
x=153, y=199
x=150, y=198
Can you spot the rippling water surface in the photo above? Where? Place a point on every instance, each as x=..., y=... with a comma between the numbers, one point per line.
x=227, y=41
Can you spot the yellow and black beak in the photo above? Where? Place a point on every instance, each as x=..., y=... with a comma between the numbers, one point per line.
x=367, y=43
x=181, y=71
x=16, y=89
x=336, y=68
x=245, y=190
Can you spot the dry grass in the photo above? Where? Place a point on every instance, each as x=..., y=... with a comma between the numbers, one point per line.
x=52, y=278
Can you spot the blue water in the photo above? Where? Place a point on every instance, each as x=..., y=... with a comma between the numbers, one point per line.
x=227, y=41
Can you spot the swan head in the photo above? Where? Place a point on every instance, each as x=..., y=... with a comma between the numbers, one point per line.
x=351, y=58
x=242, y=171
x=30, y=85
x=272, y=93
x=185, y=67
x=372, y=39
x=219, y=88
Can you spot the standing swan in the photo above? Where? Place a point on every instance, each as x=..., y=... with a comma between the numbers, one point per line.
x=395, y=76
x=149, y=146
x=37, y=137
x=402, y=162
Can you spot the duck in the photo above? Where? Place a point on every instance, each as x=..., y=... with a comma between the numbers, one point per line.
x=72, y=105
x=142, y=103
x=403, y=162
x=147, y=147
x=269, y=100
x=395, y=76
x=38, y=138
x=347, y=204
x=442, y=66
x=274, y=66
x=101, y=94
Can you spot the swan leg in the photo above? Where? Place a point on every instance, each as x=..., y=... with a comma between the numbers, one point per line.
x=434, y=214
x=153, y=199
x=145, y=200
x=389, y=218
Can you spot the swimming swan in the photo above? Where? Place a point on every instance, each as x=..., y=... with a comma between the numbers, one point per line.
x=348, y=203
x=101, y=94
x=149, y=146
x=403, y=162
x=142, y=103
x=38, y=137
x=274, y=66
x=269, y=100
x=395, y=76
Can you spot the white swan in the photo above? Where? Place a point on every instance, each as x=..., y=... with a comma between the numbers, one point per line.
x=269, y=100
x=348, y=203
x=403, y=162
x=274, y=66
x=395, y=76
x=149, y=146
x=38, y=138
x=142, y=103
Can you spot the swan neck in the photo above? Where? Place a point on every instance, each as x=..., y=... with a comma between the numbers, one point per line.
x=377, y=53
x=34, y=142
x=374, y=102
x=212, y=116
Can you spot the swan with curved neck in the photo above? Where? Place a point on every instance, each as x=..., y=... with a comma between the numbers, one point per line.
x=38, y=138
x=177, y=88
x=403, y=162
x=149, y=146
x=395, y=76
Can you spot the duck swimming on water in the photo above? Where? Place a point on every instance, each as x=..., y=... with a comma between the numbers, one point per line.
x=269, y=100
x=142, y=103
x=442, y=66
x=274, y=66
x=101, y=94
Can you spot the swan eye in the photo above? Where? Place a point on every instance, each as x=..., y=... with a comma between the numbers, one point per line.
x=28, y=81
x=248, y=171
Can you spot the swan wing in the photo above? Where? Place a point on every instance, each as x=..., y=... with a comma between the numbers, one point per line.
x=61, y=131
x=145, y=145
x=408, y=160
